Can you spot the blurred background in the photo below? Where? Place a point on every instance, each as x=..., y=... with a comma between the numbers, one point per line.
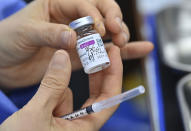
x=164, y=73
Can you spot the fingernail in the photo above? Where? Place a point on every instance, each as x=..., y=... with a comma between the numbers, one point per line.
x=59, y=59
x=66, y=36
x=101, y=28
x=119, y=22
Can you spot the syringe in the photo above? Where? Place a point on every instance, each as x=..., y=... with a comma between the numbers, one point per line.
x=98, y=106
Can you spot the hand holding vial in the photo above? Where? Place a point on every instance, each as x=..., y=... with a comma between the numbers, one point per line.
x=38, y=35
x=30, y=37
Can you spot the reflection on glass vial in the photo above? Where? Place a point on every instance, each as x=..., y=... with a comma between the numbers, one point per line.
x=90, y=46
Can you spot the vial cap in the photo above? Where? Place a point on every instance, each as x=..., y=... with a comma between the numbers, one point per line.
x=88, y=20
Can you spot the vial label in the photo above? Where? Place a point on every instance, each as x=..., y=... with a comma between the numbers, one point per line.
x=91, y=51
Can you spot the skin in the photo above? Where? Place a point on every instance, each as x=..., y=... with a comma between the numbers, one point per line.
x=49, y=103
x=29, y=38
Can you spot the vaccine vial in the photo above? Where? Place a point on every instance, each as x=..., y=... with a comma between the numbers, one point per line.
x=90, y=46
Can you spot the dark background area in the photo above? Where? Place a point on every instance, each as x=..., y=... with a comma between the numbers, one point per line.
x=28, y=1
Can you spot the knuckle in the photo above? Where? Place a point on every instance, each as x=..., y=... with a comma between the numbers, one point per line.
x=50, y=35
x=116, y=48
x=53, y=83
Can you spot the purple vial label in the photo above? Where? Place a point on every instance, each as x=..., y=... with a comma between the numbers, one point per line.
x=87, y=44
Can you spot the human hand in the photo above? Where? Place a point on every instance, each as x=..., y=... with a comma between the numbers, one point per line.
x=29, y=38
x=54, y=99
x=115, y=29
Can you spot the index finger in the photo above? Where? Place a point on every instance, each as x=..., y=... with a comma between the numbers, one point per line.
x=112, y=14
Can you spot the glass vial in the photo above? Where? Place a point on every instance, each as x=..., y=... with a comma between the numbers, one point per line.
x=90, y=46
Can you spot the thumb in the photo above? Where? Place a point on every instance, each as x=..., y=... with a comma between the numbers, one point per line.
x=54, y=83
x=58, y=36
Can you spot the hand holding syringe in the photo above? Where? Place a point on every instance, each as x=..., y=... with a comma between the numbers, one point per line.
x=98, y=106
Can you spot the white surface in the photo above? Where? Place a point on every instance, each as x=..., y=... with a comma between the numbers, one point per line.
x=184, y=46
x=154, y=6
x=178, y=56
